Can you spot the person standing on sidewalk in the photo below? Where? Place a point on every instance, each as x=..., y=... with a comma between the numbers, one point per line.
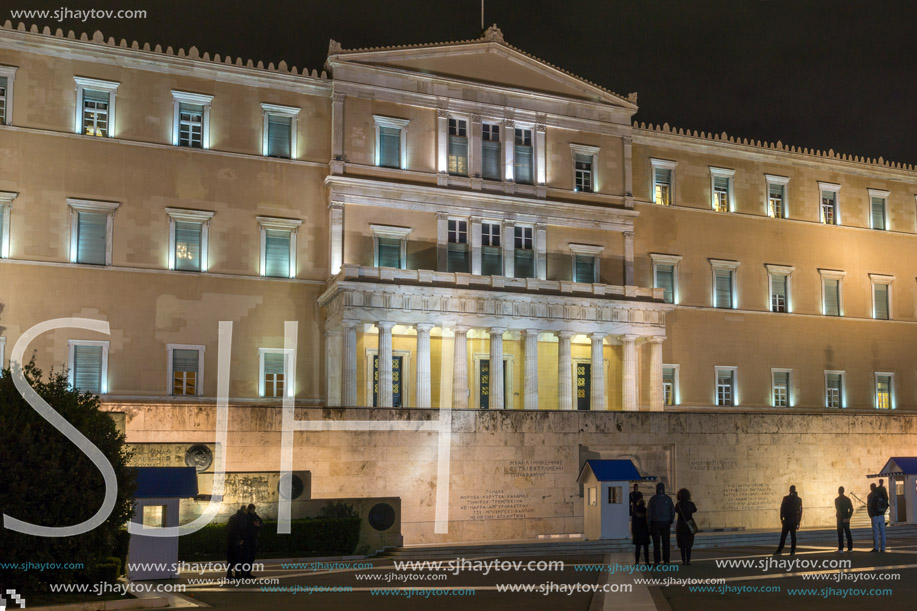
x=790, y=517
x=235, y=534
x=641, y=532
x=843, y=510
x=661, y=514
x=685, y=527
x=876, y=506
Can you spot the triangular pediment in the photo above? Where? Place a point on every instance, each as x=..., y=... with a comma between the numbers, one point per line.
x=486, y=62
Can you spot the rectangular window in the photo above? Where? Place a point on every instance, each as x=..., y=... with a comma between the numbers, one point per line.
x=4, y=84
x=884, y=391
x=186, y=371
x=831, y=290
x=583, y=172
x=390, y=147
x=389, y=252
x=725, y=387
x=88, y=365
x=524, y=253
x=778, y=292
x=721, y=193
x=584, y=268
x=834, y=389
x=191, y=125
x=781, y=388
x=877, y=208
x=277, y=250
x=665, y=279
x=669, y=385
x=491, y=251
x=524, y=157
x=491, y=153
x=95, y=112
x=662, y=186
x=279, y=135
x=188, y=246
x=457, y=260
x=723, y=289
x=273, y=376
x=458, y=147
x=829, y=207
x=880, y=309
x=92, y=237
x=776, y=200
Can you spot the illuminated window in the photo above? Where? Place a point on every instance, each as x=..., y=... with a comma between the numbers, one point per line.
x=615, y=495
x=524, y=252
x=885, y=390
x=669, y=384
x=90, y=231
x=721, y=187
x=6, y=206
x=188, y=237
x=584, y=162
x=154, y=516
x=776, y=196
x=725, y=386
x=524, y=156
x=390, y=246
x=191, y=119
x=491, y=152
x=830, y=213
x=491, y=251
x=832, y=302
x=7, y=78
x=780, y=387
x=275, y=378
x=278, y=246
x=458, y=147
x=665, y=275
x=390, y=142
x=457, y=245
x=881, y=296
x=663, y=181
x=778, y=280
x=724, y=283
x=279, y=131
x=878, y=209
x=834, y=389
x=89, y=366
x=186, y=369
x=95, y=107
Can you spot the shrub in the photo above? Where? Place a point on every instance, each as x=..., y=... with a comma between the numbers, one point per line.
x=309, y=537
x=338, y=510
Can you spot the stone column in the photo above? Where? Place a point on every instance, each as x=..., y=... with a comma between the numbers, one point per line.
x=630, y=373
x=422, y=396
x=508, y=235
x=541, y=251
x=385, y=363
x=628, y=142
x=540, y=155
x=333, y=367
x=442, y=147
x=442, y=242
x=628, y=258
x=509, y=150
x=474, y=231
x=531, y=369
x=460, y=369
x=475, y=134
x=496, y=368
x=336, y=236
x=337, y=137
x=656, y=398
x=349, y=392
x=564, y=371
x=597, y=400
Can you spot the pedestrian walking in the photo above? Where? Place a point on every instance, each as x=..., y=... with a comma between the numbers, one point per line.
x=685, y=527
x=250, y=539
x=790, y=518
x=843, y=510
x=235, y=529
x=640, y=530
x=661, y=514
x=876, y=506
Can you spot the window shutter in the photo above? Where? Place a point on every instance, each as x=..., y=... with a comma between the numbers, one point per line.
x=187, y=246
x=665, y=279
x=274, y=363
x=523, y=163
x=2, y=220
x=524, y=263
x=92, y=230
x=491, y=261
x=458, y=155
x=390, y=147
x=457, y=259
x=723, y=288
x=878, y=213
x=778, y=293
x=277, y=253
x=185, y=360
x=3, y=101
x=585, y=269
x=881, y=296
x=834, y=381
x=278, y=135
x=832, y=305
x=491, y=160
x=389, y=252
x=781, y=379
x=87, y=368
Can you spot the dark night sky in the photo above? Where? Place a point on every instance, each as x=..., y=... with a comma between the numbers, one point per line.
x=838, y=74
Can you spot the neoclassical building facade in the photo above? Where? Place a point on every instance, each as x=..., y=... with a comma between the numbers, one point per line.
x=427, y=212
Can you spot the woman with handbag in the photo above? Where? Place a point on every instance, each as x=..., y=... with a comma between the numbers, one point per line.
x=685, y=526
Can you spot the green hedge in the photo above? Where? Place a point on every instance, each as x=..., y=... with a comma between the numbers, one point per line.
x=310, y=537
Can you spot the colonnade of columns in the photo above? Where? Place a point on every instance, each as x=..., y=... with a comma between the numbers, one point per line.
x=341, y=365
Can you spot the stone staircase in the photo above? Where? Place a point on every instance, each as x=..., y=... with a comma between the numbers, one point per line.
x=704, y=540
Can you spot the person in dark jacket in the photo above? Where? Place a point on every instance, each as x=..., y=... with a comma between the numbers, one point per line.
x=684, y=536
x=790, y=517
x=235, y=528
x=876, y=518
x=250, y=544
x=641, y=532
x=843, y=511
x=661, y=514
x=635, y=496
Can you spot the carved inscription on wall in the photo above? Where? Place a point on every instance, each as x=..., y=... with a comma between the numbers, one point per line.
x=714, y=464
x=495, y=505
x=748, y=495
x=529, y=468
